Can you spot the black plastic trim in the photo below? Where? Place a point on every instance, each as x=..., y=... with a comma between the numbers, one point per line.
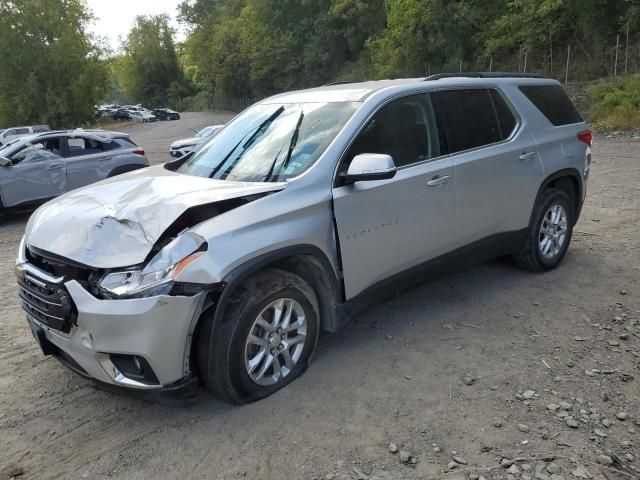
x=237, y=276
x=565, y=172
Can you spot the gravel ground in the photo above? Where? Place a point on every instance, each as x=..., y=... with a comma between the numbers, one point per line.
x=539, y=372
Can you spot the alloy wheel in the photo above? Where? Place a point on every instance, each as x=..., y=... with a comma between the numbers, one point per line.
x=276, y=341
x=553, y=231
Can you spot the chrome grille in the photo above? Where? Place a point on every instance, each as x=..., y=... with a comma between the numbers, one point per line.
x=48, y=303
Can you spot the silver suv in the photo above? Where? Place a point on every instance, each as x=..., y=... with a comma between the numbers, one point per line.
x=225, y=265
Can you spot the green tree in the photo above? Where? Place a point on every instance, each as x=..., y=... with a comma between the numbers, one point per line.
x=51, y=71
x=150, y=66
x=260, y=47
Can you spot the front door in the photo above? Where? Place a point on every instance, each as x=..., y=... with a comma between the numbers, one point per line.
x=388, y=226
x=37, y=173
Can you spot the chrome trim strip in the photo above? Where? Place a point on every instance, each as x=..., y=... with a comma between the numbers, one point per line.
x=26, y=267
x=33, y=279
x=37, y=295
x=117, y=376
x=30, y=305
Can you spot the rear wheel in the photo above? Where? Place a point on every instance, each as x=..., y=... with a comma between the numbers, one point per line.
x=266, y=339
x=549, y=233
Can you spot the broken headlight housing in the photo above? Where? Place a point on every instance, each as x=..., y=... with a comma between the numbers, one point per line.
x=158, y=276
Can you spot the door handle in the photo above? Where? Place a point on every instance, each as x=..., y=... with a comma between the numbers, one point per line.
x=55, y=167
x=438, y=180
x=527, y=156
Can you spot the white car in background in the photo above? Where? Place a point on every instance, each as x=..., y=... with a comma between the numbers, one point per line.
x=141, y=116
x=10, y=134
x=180, y=148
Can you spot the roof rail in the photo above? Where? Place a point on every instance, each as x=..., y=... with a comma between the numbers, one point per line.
x=341, y=82
x=438, y=76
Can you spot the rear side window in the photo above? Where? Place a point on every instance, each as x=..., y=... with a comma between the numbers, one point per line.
x=123, y=143
x=553, y=102
x=84, y=146
x=469, y=118
x=506, y=120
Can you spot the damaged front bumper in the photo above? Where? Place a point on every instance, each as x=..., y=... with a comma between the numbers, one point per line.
x=142, y=344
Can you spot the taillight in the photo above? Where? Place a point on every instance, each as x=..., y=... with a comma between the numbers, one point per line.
x=586, y=137
x=139, y=152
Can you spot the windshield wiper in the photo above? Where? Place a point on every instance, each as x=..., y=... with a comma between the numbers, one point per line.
x=292, y=145
x=255, y=131
x=294, y=140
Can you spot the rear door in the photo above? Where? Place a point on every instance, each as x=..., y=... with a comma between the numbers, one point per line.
x=88, y=160
x=388, y=226
x=37, y=173
x=498, y=170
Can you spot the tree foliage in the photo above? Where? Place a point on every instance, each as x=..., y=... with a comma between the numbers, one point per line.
x=149, y=70
x=258, y=47
x=51, y=71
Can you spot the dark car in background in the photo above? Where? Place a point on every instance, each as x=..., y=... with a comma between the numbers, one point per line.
x=166, y=114
x=122, y=115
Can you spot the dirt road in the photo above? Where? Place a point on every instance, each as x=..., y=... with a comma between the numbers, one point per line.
x=491, y=363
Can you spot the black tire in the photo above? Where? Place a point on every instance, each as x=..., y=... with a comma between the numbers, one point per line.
x=124, y=169
x=221, y=353
x=530, y=257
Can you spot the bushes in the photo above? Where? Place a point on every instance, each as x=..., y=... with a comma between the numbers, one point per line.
x=615, y=104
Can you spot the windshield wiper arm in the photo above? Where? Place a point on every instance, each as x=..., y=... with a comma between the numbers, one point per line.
x=292, y=144
x=255, y=131
x=294, y=140
x=271, y=118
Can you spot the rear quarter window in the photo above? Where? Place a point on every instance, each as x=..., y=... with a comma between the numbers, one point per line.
x=553, y=102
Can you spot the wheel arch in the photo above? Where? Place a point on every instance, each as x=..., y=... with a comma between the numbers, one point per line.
x=569, y=181
x=306, y=261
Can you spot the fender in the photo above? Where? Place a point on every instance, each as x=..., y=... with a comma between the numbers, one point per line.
x=327, y=280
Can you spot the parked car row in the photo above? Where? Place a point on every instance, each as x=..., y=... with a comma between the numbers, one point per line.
x=136, y=113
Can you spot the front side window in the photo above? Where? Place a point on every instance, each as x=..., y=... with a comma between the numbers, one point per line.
x=405, y=129
x=270, y=142
x=38, y=151
x=469, y=118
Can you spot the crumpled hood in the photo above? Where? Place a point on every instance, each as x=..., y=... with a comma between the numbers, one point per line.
x=116, y=222
x=186, y=141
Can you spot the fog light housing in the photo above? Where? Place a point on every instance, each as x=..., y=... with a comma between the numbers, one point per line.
x=128, y=370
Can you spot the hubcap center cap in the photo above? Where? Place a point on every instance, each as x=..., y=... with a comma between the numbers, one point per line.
x=275, y=341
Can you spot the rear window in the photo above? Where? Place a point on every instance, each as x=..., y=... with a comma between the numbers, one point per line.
x=469, y=118
x=553, y=102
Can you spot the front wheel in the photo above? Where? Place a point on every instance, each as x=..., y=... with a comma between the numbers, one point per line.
x=266, y=339
x=549, y=232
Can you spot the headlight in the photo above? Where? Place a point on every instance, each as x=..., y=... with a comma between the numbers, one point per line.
x=157, y=277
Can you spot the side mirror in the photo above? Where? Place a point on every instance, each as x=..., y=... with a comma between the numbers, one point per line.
x=5, y=162
x=370, y=166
